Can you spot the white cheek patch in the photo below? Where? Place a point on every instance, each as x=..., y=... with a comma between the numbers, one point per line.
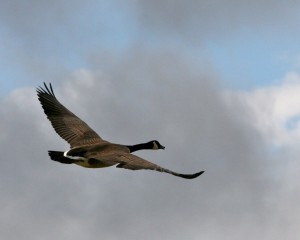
x=73, y=157
x=155, y=146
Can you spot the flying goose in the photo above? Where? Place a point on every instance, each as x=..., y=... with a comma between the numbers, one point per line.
x=87, y=148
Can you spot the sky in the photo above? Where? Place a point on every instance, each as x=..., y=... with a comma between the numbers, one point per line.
x=216, y=82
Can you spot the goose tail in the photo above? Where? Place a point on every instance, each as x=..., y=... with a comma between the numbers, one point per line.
x=59, y=157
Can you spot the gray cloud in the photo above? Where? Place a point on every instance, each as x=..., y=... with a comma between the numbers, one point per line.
x=45, y=40
x=33, y=16
x=173, y=103
x=200, y=20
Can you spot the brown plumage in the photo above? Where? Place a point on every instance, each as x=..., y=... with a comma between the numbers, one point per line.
x=88, y=149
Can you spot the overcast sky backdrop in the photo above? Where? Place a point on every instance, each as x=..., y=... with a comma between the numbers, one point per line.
x=216, y=82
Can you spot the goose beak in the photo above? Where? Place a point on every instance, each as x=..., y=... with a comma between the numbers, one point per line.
x=161, y=147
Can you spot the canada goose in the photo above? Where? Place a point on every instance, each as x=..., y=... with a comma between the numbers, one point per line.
x=87, y=148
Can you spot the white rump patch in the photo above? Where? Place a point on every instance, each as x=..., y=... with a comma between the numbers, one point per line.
x=73, y=157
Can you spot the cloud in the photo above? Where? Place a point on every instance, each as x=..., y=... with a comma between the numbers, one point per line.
x=276, y=110
x=45, y=41
x=201, y=20
x=173, y=103
x=35, y=16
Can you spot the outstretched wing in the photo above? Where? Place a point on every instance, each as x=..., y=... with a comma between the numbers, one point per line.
x=66, y=124
x=133, y=162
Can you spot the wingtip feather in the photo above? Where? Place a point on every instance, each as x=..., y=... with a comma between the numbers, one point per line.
x=45, y=90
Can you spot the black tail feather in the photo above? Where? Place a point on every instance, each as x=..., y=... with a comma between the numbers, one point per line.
x=59, y=157
x=186, y=176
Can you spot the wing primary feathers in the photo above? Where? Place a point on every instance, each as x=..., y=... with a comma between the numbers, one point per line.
x=133, y=162
x=66, y=124
x=51, y=89
x=186, y=176
x=41, y=90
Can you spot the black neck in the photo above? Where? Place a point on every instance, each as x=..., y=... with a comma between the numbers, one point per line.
x=140, y=146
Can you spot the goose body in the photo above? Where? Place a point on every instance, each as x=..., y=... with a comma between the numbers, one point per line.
x=87, y=148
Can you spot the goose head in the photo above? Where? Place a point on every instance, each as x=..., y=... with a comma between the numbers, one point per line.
x=155, y=145
x=152, y=145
